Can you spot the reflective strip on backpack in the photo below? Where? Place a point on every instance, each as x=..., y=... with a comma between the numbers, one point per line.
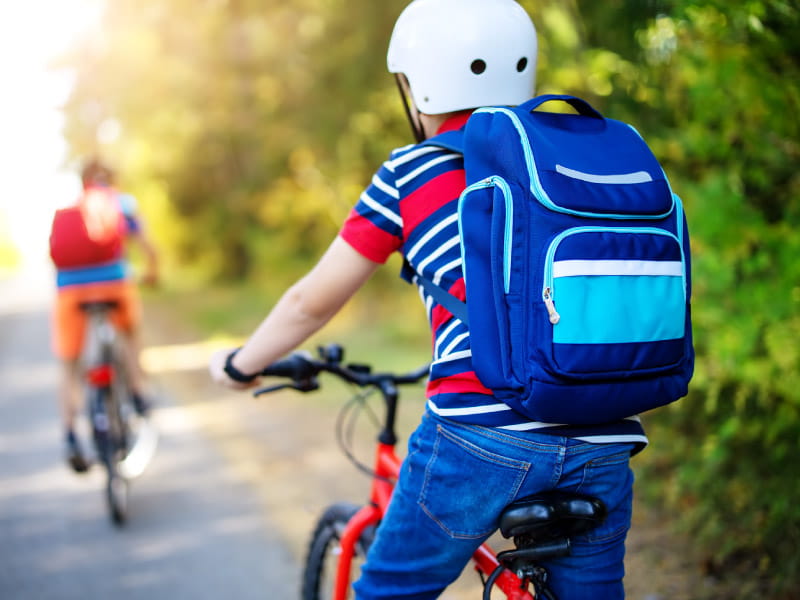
x=571, y=268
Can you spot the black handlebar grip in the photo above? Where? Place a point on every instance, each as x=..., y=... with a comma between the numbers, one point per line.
x=296, y=367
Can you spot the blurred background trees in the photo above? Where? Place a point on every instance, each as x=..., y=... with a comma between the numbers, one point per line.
x=247, y=129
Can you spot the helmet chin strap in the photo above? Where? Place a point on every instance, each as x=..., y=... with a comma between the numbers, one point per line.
x=416, y=126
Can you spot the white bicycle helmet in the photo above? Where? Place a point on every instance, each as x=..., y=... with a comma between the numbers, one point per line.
x=461, y=54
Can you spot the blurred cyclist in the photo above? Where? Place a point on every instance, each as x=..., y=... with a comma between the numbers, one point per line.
x=87, y=244
x=471, y=455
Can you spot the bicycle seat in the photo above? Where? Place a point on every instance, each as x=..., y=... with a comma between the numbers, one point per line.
x=552, y=515
x=98, y=305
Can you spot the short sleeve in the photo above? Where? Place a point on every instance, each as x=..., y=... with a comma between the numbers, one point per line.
x=374, y=227
x=130, y=209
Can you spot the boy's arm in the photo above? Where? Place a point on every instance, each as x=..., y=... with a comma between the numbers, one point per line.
x=150, y=276
x=302, y=310
x=137, y=232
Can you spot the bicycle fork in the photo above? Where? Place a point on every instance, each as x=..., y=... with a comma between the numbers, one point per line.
x=387, y=465
x=366, y=516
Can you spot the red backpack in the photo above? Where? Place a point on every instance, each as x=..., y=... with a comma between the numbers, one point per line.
x=90, y=232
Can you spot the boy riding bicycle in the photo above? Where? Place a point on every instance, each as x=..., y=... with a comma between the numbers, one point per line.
x=87, y=246
x=471, y=455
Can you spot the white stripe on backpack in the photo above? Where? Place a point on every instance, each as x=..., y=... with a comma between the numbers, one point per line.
x=575, y=268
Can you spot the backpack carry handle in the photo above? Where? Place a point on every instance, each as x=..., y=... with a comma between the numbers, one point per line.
x=583, y=107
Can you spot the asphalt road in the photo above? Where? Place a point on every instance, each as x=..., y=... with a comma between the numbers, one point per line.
x=197, y=529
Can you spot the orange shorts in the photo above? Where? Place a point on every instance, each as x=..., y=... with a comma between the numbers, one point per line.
x=69, y=321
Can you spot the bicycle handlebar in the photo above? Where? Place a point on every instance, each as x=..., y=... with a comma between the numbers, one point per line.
x=302, y=370
x=296, y=367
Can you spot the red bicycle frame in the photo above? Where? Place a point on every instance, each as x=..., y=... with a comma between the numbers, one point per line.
x=302, y=370
x=387, y=468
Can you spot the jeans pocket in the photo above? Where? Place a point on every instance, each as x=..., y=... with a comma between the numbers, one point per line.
x=466, y=486
x=610, y=479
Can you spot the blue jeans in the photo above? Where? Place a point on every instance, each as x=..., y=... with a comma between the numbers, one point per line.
x=455, y=481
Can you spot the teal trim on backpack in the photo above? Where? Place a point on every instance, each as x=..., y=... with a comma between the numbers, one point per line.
x=502, y=185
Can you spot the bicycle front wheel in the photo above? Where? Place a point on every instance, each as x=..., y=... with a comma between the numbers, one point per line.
x=323, y=551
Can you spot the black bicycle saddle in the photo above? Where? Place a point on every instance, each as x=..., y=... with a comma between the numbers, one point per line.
x=551, y=515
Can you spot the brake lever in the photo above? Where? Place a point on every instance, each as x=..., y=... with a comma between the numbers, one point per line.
x=272, y=388
x=306, y=385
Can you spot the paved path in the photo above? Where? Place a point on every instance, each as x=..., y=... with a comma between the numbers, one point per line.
x=197, y=530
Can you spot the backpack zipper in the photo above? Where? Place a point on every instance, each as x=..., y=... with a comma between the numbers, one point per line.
x=548, y=291
x=547, y=295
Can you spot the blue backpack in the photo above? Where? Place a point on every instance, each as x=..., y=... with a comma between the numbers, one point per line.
x=576, y=264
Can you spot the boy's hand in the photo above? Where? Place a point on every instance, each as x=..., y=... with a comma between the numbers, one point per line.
x=216, y=368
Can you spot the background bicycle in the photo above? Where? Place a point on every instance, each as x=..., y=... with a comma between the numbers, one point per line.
x=124, y=441
x=541, y=526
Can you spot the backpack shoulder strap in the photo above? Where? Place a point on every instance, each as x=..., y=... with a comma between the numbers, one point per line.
x=450, y=140
x=456, y=307
x=454, y=141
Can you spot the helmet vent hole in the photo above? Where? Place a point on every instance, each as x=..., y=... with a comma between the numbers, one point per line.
x=478, y=66
x=521, y=64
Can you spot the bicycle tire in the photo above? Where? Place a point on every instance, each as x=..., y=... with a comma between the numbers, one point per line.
x=117, y=498
x=120, y=400
x=98, y=415
x=321, y=559
x=118, y=434
x=106, y=423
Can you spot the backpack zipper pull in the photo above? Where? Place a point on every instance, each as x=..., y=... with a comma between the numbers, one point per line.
x=551, y=307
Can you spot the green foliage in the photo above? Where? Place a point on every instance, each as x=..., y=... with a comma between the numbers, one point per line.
x=718, y=85
x=244, y=116
x=248, y=128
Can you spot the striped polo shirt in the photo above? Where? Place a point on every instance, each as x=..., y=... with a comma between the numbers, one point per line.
x=411, y=207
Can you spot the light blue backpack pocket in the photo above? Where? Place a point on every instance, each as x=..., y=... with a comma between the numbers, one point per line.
x=616, y=299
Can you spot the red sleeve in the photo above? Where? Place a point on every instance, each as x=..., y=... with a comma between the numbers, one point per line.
x=370, y=241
